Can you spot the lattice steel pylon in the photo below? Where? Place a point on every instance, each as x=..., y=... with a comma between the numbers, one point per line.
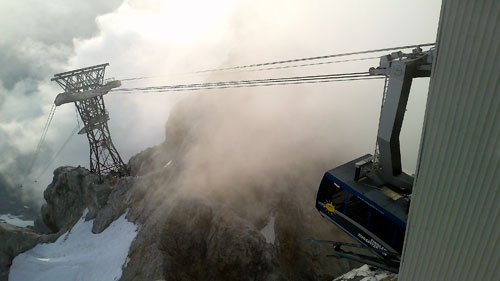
x=104, y=158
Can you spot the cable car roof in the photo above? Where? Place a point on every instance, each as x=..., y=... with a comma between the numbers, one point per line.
x=376, y=197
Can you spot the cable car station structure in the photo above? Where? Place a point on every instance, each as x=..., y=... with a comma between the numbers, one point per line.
x=86, y=87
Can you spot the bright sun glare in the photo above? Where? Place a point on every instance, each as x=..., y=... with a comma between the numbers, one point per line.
x=186, y=21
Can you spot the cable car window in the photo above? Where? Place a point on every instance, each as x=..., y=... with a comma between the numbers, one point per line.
x=331, y=193
x=387, y=230
x=357, y=210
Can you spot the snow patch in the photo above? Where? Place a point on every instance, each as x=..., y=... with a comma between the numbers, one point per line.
x=268, y=231
x=15, y=220
x=78, y=255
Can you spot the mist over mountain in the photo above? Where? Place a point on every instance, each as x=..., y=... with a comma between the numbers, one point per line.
x=219, y=199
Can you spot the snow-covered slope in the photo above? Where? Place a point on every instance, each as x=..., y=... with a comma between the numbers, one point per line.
x=78, y=254
x=268, y=231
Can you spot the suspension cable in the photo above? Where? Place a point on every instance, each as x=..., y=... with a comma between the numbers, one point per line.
x=240, y=82
x=319, y=57
x=257, y=69
x=271, y=84
x=309, y=64
x=41, y=141
x=295, y=60
x=58, y=152
x=235, y=84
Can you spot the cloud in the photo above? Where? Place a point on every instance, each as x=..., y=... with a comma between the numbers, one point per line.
x=36, y=42
x=37, y=36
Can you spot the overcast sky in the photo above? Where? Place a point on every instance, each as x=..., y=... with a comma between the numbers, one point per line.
x=142, y=38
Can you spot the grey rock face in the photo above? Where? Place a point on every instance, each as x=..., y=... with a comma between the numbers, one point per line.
x=15, y=240
x=140, y=163
x=188, y=238
x=146, y=258
x=71, y=191
x=118, y=201
x=204, y=241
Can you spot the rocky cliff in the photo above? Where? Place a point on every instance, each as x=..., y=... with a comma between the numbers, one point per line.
x=15, y=240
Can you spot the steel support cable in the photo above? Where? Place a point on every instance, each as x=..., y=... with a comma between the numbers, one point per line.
x=300, y=59
x=318, y=57
x=42, y=140
x=254, y=85
x=308, y=64
x=232, y=84
x=248, y=81
x=239, y=82
x=244, y=82
x=258, y=69
x=271, y=84
x=58, y=152
x=47, y=125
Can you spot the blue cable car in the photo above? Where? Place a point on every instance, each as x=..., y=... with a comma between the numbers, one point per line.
x=375, y=216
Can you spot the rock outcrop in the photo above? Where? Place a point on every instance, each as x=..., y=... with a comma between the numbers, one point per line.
x=15, y=240
x=205, y=241
x=72, y=190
